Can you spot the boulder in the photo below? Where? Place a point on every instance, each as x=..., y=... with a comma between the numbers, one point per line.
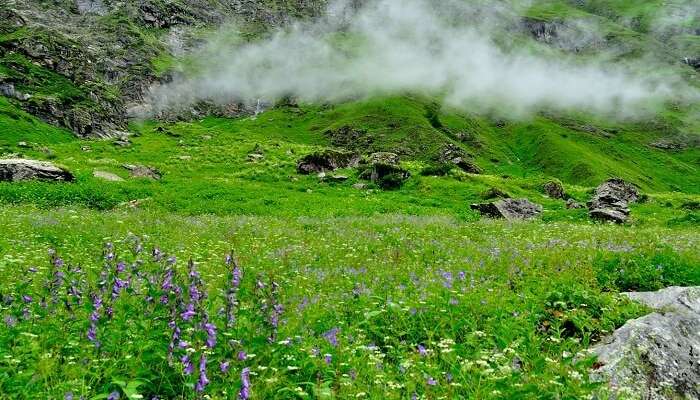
x=107, y=176
x=554, y=190
x=511, y=209
x=141, y=171
x=656, y=356
x=388, y=176
x=18, y=169
x=611, y=199
x=327, y=160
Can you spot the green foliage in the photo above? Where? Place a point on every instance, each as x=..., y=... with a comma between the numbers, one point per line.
x=646, y=271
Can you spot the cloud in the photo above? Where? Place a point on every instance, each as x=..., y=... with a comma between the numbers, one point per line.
x=468, y=55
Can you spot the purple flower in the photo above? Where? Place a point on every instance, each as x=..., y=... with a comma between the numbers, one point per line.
x=242, y=356
x=422, y=351
x=332, y=336
x=431, y=381
x=211, y=334
x=202, y=382
x=187, y=364
x=68, y=396
x=121, y=267
x=244, y=393
x=189, y=312
x=27, y=299
x=92, y=333
x=114, y=396
x=328, y=359
x=224, y=366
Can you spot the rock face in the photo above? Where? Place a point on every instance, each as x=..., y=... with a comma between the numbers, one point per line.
x=327, y=160
x=16, y=169
x=511, y=209
x=611, y=200
x=554, y=190
x=656, y=357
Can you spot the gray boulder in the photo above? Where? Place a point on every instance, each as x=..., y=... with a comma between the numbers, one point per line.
x=511, y=209
x=18, y=169
x=327, y=160
x=611, y=200
x=655, y=357
x=455, y=155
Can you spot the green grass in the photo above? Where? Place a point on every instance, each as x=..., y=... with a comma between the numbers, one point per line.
x=530, y=298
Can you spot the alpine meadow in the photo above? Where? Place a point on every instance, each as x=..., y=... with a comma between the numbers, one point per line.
x=349, y=199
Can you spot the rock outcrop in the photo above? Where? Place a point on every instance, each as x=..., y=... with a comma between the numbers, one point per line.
x=142, y=171
x=19, y=169
x=655, y=357
x=327, y=160
x=611, y=201
x=511, y=209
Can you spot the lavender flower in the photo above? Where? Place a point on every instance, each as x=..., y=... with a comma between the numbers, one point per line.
x=210, y=329
x=202, y=382
x=431, y=381
x=187, y=364
x=244, y=393
x=328, y=359
x=332, y=336
x=114, y=396
x=188, y=313
x=242, y=356
x=422, y=351
x=224, y=366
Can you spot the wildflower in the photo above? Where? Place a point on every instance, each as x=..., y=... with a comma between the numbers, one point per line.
x=27, y=299
x=431, y=381
x=68, y=396
x=224, y=366
x=113, y=396
x=328, y=359
x=203, y=381
x=422, y=350
x=242, y=355
x=210, y=329
x=332, y=336
x=189, y=312
x=244, y=393
x=187, y=364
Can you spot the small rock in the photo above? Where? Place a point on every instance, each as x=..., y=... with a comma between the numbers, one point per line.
x=383, y=158
x=107, y=176
x=360, y=186
x=510, y=209
x=554, y=190
x=19, y=169
x=572, y=204
x=140, y=171
x=457, y=156
x=255, y=157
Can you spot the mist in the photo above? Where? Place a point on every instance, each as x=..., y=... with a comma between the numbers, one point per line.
x=463, y=54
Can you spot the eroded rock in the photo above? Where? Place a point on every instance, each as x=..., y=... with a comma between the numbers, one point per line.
x=327, y=160
x=19, y=169
x=611, y=201
x=455, y=155
x=511, y=209
x=554, y=190
x=655, y=357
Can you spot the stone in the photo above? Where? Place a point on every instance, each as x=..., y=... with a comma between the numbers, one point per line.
x=611, y=199
x=554, y=190
x=255, y=157
x=383, y=158
x=360, y=186
x=327, y=160
x=510, y=209
x=455, y=155
x=107, y=176
x=141, y=171
x=572, y=204
x=657, y=356
x=386, y=176
x=19, y=169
